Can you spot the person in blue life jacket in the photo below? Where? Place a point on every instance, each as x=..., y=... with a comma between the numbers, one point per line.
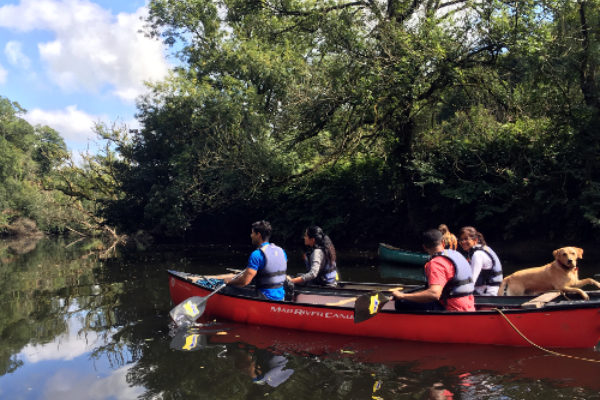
x=267, y=265
x=486, y=266
x=320, y=260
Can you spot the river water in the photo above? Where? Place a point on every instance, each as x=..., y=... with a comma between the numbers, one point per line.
x=77, y=323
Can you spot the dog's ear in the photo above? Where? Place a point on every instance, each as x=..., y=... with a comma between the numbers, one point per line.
x=555, y=253
x=579, y=252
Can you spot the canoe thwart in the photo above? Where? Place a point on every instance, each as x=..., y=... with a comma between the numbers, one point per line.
x=541, y=300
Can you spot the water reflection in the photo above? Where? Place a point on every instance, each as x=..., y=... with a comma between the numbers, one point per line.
x=57, y=322
x=434, y=370
x=190, y=338
x=77, y=326
x=61, y=368
x=410, y=273
x=262, y=366
x=386, y=369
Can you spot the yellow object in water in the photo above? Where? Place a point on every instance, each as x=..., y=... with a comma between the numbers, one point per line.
x=190, y=342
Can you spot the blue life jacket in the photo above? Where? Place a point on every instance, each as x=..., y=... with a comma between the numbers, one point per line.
x=273, y=274
x=462, y=283
x=327, y=273
x=489, y=277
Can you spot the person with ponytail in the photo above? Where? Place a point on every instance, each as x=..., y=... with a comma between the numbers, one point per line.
x=320, y=259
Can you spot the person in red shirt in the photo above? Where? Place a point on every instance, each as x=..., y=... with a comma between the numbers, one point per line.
x=449, y=280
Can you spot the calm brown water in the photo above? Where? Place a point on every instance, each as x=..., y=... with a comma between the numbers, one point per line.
x=74, y=325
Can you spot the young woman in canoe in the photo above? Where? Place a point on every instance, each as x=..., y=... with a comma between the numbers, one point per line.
x=320, y=260
x=486, y=266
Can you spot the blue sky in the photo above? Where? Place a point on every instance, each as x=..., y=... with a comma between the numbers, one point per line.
x=73, y=63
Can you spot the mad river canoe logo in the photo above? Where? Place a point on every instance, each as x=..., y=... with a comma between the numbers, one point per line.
x=311, y=313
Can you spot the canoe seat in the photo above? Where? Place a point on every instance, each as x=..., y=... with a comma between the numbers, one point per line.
x=541, y=300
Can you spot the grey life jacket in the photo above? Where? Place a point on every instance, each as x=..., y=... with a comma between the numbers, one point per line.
x=462, y=283
x=489, y=277
x=327, y=273
x=272, y=276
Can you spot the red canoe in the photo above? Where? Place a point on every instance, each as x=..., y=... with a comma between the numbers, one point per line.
x=557, y=324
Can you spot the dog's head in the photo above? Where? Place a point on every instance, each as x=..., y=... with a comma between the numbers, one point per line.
x=567, y=256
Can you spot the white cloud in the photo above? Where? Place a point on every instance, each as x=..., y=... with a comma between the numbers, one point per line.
x=75, y=382
x=74, y=125
x=76, y=385
x=65, y=347
x=15, y=55
x=3, y=75
x=92, y=49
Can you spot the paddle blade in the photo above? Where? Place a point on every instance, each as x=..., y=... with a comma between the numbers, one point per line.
x=368, y=305
x=187, y=339
x=188, y=311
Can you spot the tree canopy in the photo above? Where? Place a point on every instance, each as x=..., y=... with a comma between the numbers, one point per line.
x=373, y=118
x=461, y=111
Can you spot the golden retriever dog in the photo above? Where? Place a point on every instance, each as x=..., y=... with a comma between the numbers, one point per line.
x=561, y=274
x=448, y=239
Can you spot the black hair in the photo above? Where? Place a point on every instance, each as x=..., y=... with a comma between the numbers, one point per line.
x=431, y=238
x=322, y=241
x=264, y=228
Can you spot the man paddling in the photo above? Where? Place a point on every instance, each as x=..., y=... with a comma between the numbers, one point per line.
x=449, y=280
x=267, y=265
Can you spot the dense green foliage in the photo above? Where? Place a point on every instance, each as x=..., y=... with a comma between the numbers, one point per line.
x=374, y=119
x=41, y=189
x=29, y=155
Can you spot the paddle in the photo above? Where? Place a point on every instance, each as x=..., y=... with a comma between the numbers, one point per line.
x=351, y=299
x=368, y=305
x=192, y=308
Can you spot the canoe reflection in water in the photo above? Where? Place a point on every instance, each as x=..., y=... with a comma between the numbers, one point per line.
x=262, y=366
x=468, y=363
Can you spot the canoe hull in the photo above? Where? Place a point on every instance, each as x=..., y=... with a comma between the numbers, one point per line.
x=556, y=327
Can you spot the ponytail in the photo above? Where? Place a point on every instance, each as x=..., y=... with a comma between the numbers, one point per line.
x=322, y=241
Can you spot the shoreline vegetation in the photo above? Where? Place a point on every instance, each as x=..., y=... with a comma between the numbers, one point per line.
x=373, y=122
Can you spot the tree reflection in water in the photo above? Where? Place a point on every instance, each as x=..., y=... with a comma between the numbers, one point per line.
x=99, y=328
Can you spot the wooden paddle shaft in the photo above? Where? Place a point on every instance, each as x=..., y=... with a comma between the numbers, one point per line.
x=351, y=299
x=221, y=276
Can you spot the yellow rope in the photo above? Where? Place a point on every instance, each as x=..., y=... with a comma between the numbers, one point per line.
x=540, y=347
